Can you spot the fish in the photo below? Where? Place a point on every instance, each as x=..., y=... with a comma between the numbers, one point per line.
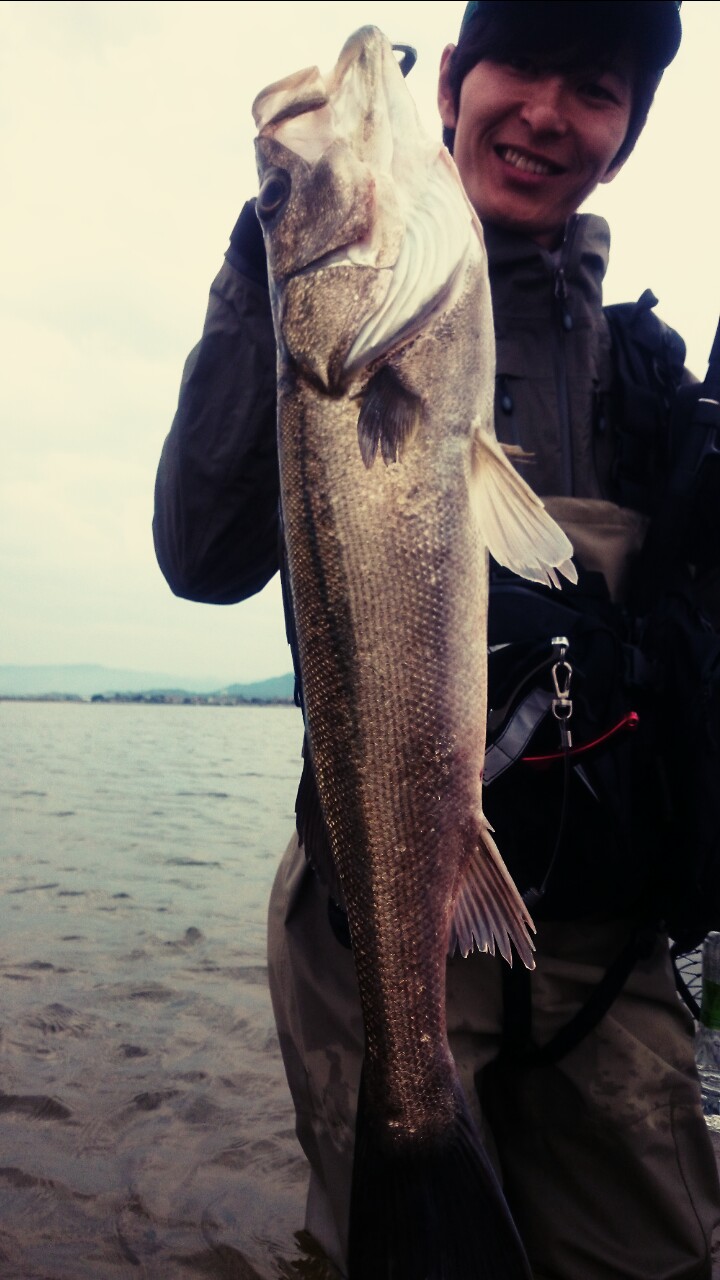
x=394, y=491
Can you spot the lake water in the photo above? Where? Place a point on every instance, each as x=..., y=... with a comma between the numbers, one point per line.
x=146, y=1129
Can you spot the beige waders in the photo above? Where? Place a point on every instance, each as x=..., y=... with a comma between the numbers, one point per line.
x=604, y=1156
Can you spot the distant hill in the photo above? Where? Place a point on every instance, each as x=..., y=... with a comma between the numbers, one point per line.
x=87, y=680
x=275, y=687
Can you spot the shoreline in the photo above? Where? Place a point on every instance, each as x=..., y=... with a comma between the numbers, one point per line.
x=150, y=699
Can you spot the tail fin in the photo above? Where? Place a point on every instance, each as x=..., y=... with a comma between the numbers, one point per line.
x=515, y=527
x=429, y=1208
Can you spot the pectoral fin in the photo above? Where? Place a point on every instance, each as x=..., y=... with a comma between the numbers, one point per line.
x=388, y=417
x=513, y=522
x=517, y=453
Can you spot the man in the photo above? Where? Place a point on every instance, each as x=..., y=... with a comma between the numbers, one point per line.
x=601, y=1145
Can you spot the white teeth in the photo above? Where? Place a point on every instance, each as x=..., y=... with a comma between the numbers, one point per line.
x=523, y=162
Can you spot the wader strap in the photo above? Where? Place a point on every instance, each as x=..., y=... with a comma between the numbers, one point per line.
x=517, y=1047
x=509, y=745
x=683, y=989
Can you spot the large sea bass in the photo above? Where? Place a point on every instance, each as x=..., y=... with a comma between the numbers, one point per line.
x=393, y=490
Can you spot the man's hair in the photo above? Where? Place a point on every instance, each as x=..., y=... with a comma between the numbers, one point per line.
x=564, y=36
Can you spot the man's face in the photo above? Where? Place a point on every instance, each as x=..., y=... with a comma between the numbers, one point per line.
x=531, y=143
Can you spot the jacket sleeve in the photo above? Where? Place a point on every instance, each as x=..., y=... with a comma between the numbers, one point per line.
x=216, y=523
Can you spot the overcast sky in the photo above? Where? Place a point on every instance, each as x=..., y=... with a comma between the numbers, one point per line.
x=126, y=153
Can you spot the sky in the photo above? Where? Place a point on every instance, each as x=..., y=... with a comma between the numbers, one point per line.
x=126, y=148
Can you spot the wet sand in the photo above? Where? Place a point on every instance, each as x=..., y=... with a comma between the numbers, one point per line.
x=145, y=1124
x=145, y=1127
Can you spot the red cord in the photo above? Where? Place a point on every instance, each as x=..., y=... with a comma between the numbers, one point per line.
x=629, y=721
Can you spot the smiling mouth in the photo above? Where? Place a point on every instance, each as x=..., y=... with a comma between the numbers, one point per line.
x=526, y=163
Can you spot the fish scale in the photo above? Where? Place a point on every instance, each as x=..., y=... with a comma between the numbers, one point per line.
x=393, y=490
x=364, y=537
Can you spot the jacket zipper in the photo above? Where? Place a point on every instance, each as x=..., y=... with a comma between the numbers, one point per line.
x=560, y=357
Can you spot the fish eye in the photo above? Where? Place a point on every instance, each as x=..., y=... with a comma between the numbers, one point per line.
x=273, y=193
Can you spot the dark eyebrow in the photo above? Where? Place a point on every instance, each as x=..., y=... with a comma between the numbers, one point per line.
x=605, y=69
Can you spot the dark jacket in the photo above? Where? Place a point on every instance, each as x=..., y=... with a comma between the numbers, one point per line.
x=217, y=489
x=216, y=503
x=216, y=527
x=553, y=355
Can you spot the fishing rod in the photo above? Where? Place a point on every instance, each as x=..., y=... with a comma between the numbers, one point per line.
x=699, y=440
x=685, y=528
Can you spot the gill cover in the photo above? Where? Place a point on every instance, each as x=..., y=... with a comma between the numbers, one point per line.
x=369, y=192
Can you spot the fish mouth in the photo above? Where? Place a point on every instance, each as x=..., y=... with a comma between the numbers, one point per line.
x=298, y=94
x=418, y=233
x=334, y=258
x=525, y=161
x=352, y=254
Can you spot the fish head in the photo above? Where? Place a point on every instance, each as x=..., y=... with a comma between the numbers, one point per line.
x=347, y=178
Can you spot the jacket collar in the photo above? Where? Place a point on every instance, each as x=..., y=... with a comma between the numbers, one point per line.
x=530, y=281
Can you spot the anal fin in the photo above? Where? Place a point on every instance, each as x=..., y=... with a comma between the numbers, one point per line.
x=488, y=910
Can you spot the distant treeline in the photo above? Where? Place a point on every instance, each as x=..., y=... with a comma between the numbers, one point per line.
x=154, y=699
